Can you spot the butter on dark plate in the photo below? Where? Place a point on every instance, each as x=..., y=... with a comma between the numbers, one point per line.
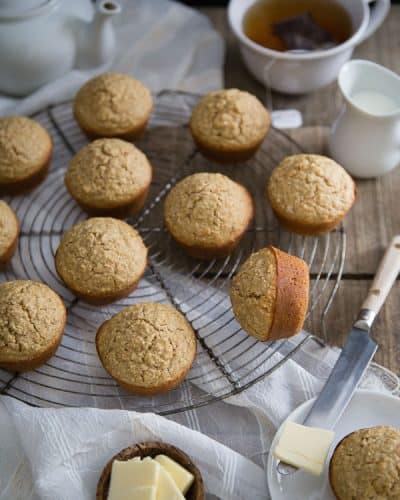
x=303, y=33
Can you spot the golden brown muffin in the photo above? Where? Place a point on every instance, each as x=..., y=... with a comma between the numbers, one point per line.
x=32, y=321
x=109, y=177
x=25, y=152
x=366, y=465
x=152, y=449
x=113, y=105
x=147, y=348
x=9, y=230
x=269, y=294
x=229, y=125
x=310, y=194
x=101, y=259
x=207, y=214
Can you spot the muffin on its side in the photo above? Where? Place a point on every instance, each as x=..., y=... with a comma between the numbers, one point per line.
x=147, y=348
x=207, y=214
x=109, y=177
x=9, y=230
x=25, y=152
x=269, y=294
x=229, y=125
x=32, y=321
x=366, y=465
x=113, y=105
x=310, y=194
x=101, y=259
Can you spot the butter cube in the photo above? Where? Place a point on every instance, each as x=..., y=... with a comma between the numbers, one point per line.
x=183, y=478
x=166, y=488
x=304, y=447
x=128, y=476
x=144, y=493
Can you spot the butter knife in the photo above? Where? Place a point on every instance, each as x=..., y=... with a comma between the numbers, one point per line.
x=356, y=354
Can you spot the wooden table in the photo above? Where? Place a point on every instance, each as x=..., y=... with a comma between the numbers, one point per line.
x=376, y=215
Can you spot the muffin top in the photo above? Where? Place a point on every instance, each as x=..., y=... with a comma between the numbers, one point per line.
x=366, y=465
x=147, y=345
x=101, y=256
x=208, y=210
x=25, y=147
x=107, y=173
x=253, y=293
x=32, y=317
x=229, y=119
x=112, y=103
x=310, y=189
x=9, y=227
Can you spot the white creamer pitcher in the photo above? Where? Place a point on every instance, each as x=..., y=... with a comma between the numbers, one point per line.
x=365, y=138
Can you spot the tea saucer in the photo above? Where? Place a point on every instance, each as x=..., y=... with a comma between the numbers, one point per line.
x=366, y=409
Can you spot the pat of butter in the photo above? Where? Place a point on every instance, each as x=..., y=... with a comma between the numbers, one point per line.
x=167, y=488
x=304, y=447
x=182, y=477
x=143, y=493
x=127, y=477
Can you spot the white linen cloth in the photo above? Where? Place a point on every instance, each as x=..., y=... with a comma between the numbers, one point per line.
x=162, y=43
x=58, y=454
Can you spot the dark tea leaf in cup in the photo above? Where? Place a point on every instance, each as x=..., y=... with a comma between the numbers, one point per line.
x=301, y=32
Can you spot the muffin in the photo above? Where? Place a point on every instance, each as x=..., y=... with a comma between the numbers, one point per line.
x=153, y=449
x=310, y=194
x=25, y=152
x=113, y=105
x=109, y=177
x=269, y=294
x=147, y=348
x=32, y=321
x=207, y=214
x=9, y=230
x=366, y=465
x=229, y=125
x=101, y=259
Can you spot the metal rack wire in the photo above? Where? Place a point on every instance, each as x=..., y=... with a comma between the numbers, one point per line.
x=228, y=360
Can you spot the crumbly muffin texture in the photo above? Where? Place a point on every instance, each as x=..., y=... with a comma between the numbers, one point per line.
x=207, y=209
x=229, y=118
x=101, y=256
x=8, y=227
x=366, y=465
x=108, y=172
x=25, y=147
x=310, y=189
x=147, y=345
x=253, y=293
x=32, y=316
x=112, y=103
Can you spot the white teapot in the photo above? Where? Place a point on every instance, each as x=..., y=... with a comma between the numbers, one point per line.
x=40, y=40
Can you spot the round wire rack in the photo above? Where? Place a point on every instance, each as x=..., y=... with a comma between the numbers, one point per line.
x=228, y=360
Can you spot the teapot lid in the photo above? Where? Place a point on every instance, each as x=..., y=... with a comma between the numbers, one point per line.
x=24, y=8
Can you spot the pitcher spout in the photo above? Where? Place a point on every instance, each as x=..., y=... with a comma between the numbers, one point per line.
x=96, y=45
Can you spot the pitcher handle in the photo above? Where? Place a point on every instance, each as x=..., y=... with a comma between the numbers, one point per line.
x=378, y=15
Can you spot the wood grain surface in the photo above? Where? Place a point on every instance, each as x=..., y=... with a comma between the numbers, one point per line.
x=375, y=218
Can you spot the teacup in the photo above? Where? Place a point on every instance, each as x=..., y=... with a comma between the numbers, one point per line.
x=297, y=73
x=365, y=138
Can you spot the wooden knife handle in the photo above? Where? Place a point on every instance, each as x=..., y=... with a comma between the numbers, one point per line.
x=385, y=277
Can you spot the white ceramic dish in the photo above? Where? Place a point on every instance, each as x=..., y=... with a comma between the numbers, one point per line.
x=367, y=144
x=366, y=409
x=300, y=73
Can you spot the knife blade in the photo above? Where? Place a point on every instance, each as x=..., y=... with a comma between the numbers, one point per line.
x=356, y=354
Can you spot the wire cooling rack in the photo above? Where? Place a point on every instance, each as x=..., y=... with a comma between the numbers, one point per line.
x=228, y=360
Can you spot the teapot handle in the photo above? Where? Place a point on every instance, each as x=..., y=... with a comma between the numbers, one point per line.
x=378, y=15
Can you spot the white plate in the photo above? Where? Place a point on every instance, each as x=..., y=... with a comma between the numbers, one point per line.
x=366, y=409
